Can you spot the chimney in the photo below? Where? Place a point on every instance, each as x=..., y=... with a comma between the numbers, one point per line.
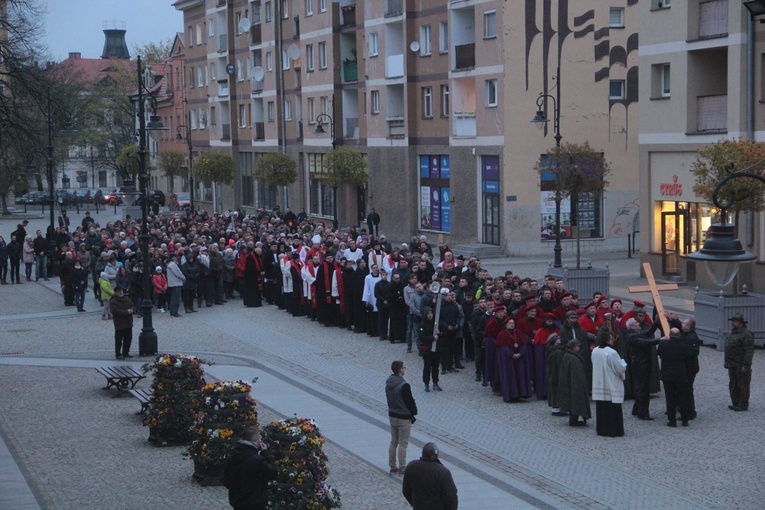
x=114, y=44
x=75, y=55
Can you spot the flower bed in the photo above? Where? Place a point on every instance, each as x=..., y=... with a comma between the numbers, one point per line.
x=175, y=397
x=226, y=409
x=297, y=448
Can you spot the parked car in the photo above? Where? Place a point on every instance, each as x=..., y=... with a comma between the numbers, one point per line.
x=35, y=198
x=123, y=194
x=156, y=195
x=64, y=197
x=184, y=200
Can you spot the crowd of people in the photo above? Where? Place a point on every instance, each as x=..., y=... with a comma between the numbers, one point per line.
x=525, y=338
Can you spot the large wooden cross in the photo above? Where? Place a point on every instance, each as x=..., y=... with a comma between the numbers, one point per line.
x=654, y=290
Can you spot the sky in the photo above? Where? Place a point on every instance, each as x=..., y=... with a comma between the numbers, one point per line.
x=77, y=25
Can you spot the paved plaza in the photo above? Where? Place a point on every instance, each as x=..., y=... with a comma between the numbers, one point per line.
x=67, y=444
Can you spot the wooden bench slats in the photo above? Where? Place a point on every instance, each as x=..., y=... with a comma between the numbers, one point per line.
x=122, y=377
x=143, y=396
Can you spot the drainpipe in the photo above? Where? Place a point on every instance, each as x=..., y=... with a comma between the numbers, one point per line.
x=280, y=83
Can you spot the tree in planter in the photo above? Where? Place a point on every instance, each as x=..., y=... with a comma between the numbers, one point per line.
x=578, y=170
x=128, y=162
x=276, y=169
x=345, y=166
x=214, y=167
x=172, y=163
x=716, y=161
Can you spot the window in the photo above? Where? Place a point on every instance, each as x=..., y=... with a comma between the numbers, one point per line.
x=269, y=61
x=309, y=7
x=191, y=78
x=665, y=80
x=489, y=24
x=287, y=109
x=443, y=37
x=242, y=115
x=427, y=102
x=199, y=34
x=269, y=13
x=202, y=118
x=239, y=70
x=210, y=28
x=616, y=89
x=270, y=111
x=193, y=116
x=583, y=214
x=425, y=40
x=322, y=5
x=200, y=77
x=309, y=57
x=373, y=44
x=491, y=93
x=190, y=37
x=285, y=9
x=375, y=100
x=322, y=55
x=212, y=72
x=616, y=17
x=213, y=122
x=311, y=110
x=285, y=60
x=444, y=100
x=320, y=195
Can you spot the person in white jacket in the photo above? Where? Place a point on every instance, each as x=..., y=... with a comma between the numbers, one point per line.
x=175, y=281
x=370, y=301
x=284, y=266
x=608, y=372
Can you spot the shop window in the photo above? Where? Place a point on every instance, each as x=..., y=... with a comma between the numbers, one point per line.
x=321, y=197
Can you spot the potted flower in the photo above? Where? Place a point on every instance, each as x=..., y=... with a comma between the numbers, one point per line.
x=225, y=410
x=297, y=447
x=175, y=394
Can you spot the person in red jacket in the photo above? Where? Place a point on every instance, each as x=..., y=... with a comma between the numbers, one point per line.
x=493, y=328
x=591, y=321
x=159, y=283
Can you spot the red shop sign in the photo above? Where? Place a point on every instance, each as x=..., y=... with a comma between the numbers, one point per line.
x=671, y=189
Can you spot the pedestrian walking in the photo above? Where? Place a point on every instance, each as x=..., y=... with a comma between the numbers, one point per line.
x=608, y=372
x=402, y=410
x=122, y=313
x=428, y=484
x=739, y=350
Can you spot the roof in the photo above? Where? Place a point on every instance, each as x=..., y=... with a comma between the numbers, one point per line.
x=92, y=71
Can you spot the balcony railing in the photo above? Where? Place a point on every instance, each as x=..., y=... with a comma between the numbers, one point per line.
x=351, y=128
x=394, y=66
x=347, y=15
x=223, y=88
x=712, y=113
x=464, y=124
x=225, y=133
x=464, y=56
x=257, y=87
x=394, y=8
x=222, y=43
x=350, y=71
x=396, y=127
x=713, y=18
x=259, y=130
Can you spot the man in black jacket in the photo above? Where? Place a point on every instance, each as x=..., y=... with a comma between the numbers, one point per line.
x=428, y=485
x=641, y=342
x=448, y=325
x=247, y=474
x=122, y=313
x=401, y=411
x=675, y=357
x=40, y=246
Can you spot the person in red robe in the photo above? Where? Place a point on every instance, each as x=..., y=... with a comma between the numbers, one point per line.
x=591, y=321
x=540, y=354
x=513, y=366
x=493, y=328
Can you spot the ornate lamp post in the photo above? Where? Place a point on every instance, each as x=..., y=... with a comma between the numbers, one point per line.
x=180, y=138
x=147, y=339
x=541, y=120
x=722, y=251
x=320, y=131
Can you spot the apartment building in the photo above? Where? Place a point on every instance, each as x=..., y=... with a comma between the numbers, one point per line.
x=701, y=80
x=437, y=94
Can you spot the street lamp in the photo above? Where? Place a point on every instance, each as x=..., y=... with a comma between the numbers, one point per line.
x=541, y=120
x=179, y=138
x=320, y=131
x=147, y=339
x=722, y=251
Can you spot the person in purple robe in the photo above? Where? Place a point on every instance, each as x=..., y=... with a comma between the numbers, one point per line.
x=513, y=363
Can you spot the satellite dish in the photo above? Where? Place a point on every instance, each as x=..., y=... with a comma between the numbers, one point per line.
x=244, y=25
x=293, y=51
x=258, y=73
x=415, y=46
x=231, y=69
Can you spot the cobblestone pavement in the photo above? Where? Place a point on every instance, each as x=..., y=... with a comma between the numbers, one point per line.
x=67, y=435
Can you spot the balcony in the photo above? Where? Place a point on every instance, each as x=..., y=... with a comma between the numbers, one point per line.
x=222, y=43
x=464, y=56
x=712, y=113
x=394, y=66
x=350, y=71
x=396, y=127
x=223, y=88
x=257, y=87
x=713, y=19
x=259, y=130
x=351, y=128
x=394, y=8
x=225, y=134
x=347, y=15
x=464, y=124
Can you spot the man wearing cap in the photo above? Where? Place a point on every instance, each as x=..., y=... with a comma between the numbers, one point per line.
x=572, y=330
x=739, y=350
x=122, y=315
x=491, y=331
x=564, y=307
x=428, y=485
x=591, y=321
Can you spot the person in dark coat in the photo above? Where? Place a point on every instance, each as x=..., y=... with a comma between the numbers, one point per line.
x=428, y=485
x=691, y=339
x=641, y=343
x=572, y=330
x=373, y=222
x=350, y=299
x=573, y=391
x=64, y=272
x=539, y=345
x=327, y=277
x=555, y=350
x=739, y=350
x=122, y=314
x=298, y=305
x=383, y=307
x=253, y=279
x=675, y=356
x=491, y=331
x=14, y=255
x=78, y=282
x=247, y=473
x=448, y=325
x=397, y=308
x=190, y=269
x=427, y=335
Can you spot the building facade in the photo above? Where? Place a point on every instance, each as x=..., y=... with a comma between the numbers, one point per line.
x=701, y=81
x=437, y=95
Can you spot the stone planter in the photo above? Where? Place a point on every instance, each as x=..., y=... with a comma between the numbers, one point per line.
x=163, y=437
x=712, y=310
x=208, y=475
x=585, y=281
